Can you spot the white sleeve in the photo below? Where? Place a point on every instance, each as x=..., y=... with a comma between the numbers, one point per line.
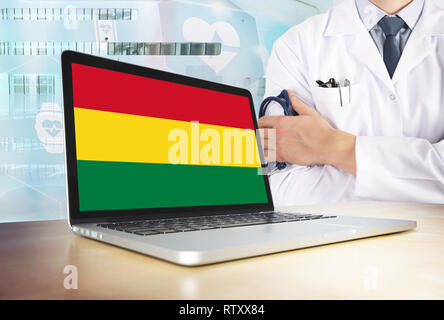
x=286, y=71
x=300, y=185
x=400, y=169
x=311, y=185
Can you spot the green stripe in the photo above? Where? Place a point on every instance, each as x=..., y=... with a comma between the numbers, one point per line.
x=105, y=185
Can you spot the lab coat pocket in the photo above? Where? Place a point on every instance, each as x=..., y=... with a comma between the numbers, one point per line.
x=337, y=105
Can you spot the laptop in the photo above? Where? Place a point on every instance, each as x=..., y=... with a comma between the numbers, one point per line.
x=169, y=166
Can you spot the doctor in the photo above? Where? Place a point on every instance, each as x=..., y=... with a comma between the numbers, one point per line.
x=382, y=137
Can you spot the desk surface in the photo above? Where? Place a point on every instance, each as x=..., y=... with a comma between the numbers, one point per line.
x=407, y=265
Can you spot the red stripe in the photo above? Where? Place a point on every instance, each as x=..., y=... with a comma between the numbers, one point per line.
x=107, y=90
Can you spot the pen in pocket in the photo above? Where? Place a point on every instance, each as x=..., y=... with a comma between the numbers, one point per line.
x=332, y=83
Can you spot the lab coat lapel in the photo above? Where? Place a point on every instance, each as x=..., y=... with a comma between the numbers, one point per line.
x=345, y=22
x=419, y=45
x=364, y=50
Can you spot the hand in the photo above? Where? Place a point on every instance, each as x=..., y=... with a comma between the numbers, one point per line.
x=308, y=139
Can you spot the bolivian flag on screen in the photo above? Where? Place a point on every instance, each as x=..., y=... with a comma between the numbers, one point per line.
x=148, y=143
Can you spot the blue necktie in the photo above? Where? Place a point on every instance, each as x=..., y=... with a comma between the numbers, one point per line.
x=391, y=27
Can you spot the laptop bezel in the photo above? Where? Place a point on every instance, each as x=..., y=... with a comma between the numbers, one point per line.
x=75, y=215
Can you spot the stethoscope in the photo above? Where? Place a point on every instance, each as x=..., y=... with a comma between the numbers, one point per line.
x=283, y=99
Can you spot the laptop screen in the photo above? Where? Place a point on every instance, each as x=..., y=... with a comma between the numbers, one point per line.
x=148, y=143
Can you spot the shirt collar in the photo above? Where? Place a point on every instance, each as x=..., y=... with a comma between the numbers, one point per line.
x=371, y=14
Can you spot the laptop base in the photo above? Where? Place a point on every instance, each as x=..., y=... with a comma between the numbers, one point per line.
x=216, y=245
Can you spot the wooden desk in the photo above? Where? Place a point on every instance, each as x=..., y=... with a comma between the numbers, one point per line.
x=406, y=266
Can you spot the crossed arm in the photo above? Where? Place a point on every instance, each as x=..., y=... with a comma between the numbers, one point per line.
x=308, y=139
x=383, y=168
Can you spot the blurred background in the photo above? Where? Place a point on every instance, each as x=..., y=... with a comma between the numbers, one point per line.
x=226, y=41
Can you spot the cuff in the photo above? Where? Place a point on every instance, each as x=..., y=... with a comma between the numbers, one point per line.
x=370, y=169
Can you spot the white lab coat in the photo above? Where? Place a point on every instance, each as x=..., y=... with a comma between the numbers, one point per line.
x=399, y=122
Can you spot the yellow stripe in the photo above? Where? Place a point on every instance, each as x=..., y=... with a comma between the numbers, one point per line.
x=109, y=136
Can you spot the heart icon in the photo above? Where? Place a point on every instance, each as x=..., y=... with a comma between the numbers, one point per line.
x=52, y=127
x=49, y=127
x=198, y=30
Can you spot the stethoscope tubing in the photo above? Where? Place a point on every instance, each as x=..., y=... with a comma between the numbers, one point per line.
x=283, y=99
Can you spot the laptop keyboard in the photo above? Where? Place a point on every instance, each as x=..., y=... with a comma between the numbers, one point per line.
x=188, y=224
